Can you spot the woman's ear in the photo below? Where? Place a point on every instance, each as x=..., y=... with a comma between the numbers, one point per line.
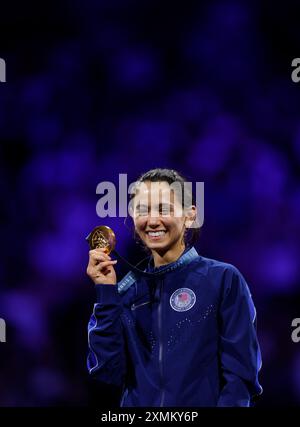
x=190, y=216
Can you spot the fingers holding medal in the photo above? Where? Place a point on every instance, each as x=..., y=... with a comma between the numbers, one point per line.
x=101, y=267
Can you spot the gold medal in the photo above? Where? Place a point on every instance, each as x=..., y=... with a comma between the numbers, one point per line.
x=102, y=237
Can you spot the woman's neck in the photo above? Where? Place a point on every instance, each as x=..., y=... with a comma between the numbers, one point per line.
x=161, y=258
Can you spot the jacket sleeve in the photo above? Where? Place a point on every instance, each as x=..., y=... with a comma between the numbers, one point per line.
x=240, y=354
x=106, y=359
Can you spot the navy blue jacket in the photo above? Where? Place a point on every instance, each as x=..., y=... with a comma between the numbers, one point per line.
x=182, y=336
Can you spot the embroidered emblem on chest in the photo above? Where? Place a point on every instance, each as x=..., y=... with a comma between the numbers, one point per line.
x=182, y=299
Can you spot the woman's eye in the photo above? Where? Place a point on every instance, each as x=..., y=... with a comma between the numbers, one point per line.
x=165, y=210
x=142, y=211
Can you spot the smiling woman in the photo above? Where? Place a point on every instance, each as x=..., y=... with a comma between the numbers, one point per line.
x=185, y=314
x=161, y=221
x=164, y=214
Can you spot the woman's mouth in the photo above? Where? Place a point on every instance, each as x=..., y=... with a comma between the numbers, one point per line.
x=156, y=235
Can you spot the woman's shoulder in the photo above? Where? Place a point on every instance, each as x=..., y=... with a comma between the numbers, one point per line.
x=211, y=265
x=217, y=272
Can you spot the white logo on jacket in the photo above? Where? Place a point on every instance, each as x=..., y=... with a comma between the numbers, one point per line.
x=182, y=299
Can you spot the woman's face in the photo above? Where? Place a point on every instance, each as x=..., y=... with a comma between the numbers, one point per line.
x=158, y=216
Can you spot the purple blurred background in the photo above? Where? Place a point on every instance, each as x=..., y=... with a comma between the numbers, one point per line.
x=99, y=88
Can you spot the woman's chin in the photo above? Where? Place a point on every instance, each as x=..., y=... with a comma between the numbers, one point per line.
x=158, y=245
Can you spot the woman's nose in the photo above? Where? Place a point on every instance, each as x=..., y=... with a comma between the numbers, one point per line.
x=153, y=219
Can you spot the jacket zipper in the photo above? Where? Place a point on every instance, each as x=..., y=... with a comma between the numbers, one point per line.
x=160, y=354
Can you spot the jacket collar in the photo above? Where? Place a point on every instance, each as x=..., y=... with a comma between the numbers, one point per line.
x=186, y=257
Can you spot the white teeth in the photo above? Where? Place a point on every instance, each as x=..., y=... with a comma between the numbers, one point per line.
x=156, y=233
